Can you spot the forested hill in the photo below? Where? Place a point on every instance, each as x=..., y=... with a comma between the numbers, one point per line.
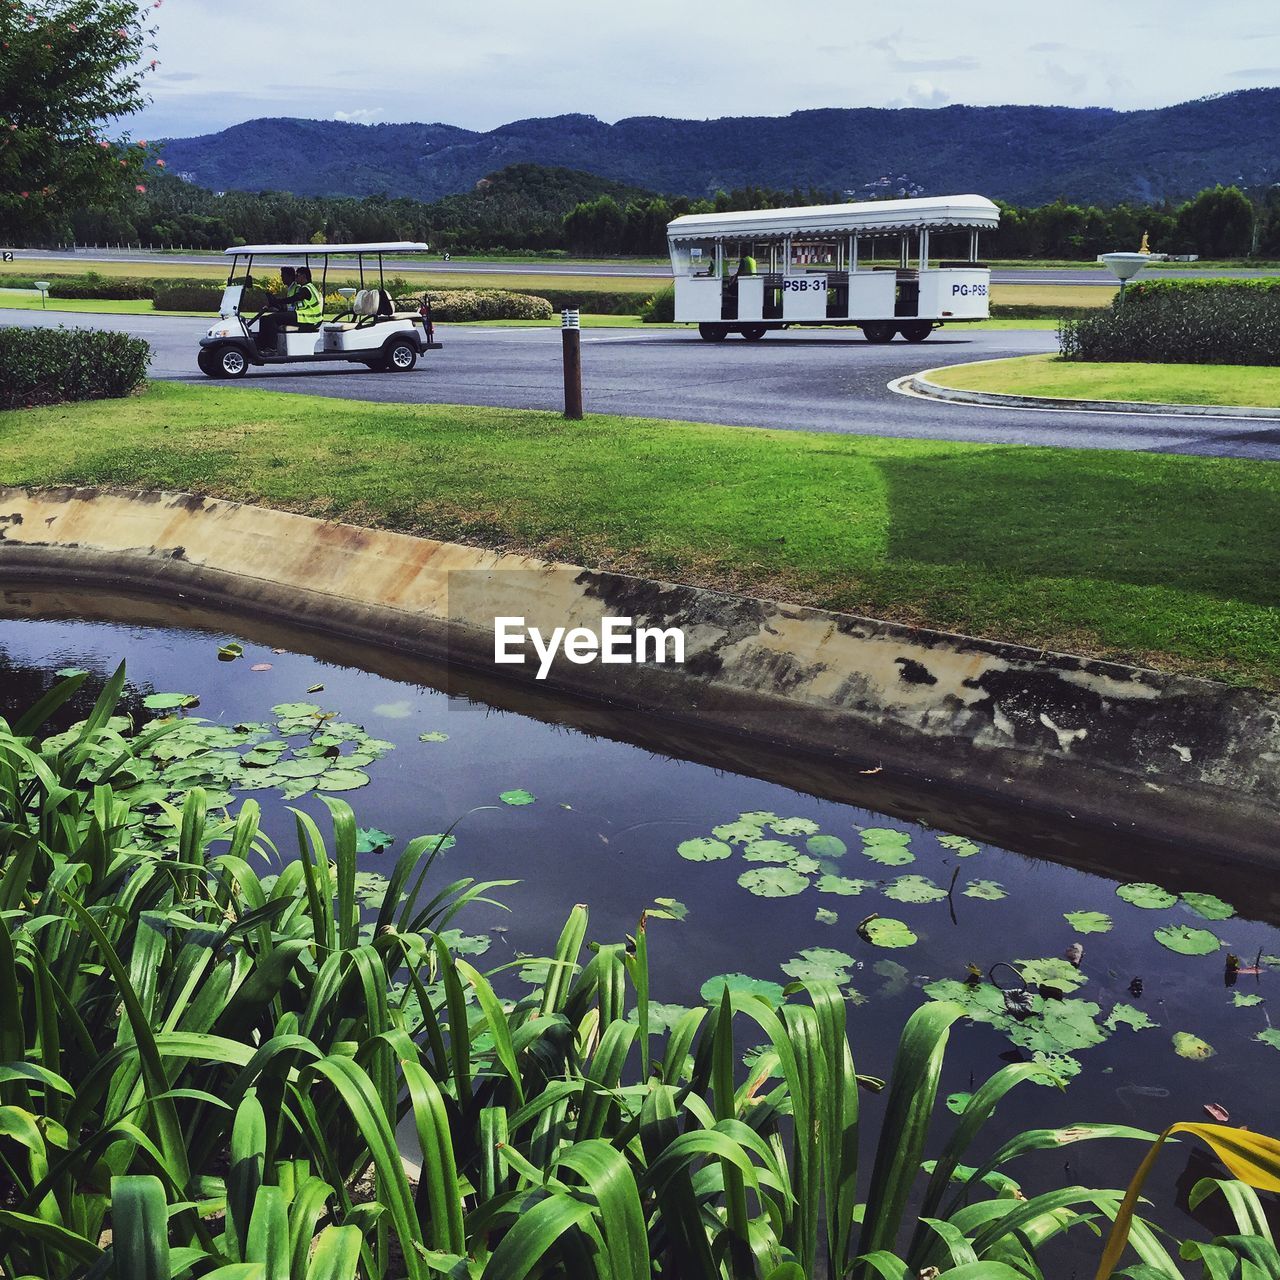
x=1021, y=154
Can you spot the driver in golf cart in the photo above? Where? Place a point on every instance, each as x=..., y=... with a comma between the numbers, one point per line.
x=301, y=308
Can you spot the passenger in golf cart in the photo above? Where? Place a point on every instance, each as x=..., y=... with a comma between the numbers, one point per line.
x=372, y=332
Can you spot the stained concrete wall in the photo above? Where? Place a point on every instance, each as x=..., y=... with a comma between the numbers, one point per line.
x=1186, y=761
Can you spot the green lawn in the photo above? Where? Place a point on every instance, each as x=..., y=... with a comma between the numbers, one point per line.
x=1166, y=560
x=28, y=300
x=1049, y=375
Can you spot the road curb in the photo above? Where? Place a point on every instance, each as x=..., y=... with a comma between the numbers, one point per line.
x=919, y=384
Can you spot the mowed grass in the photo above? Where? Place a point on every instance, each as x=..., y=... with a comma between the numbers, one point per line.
x=1053, y=295
x=1163, y=560
x=1048, y=375
x=23, y=300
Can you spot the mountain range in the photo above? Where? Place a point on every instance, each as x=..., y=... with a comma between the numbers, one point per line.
x=1022, y=154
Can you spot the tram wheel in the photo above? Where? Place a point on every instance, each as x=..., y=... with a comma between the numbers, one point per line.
x=713, y=332
x=878, y=331
x=753, y=332
x=917, y=331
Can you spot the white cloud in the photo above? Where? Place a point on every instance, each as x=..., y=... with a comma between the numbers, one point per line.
x=361, y=115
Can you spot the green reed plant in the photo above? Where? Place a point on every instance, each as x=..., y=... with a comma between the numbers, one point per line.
x=206, y=1071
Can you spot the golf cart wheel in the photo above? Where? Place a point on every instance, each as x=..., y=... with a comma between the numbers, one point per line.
x=753, y=332
x=401, y=356
x=713, y=332
x=230, y=362
x=917, y=331
x=878, y=331
x=205, y=360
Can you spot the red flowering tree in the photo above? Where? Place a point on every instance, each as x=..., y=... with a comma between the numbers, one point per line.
x=68, y=70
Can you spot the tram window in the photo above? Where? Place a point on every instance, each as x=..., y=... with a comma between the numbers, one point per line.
x=814, y=253
x=696, y=259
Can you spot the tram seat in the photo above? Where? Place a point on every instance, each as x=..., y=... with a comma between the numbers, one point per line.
x=387, y=309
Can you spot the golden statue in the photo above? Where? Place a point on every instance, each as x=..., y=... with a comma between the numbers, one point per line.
x=1144, y=247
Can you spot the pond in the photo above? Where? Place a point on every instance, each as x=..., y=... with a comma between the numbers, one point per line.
x=743, y=875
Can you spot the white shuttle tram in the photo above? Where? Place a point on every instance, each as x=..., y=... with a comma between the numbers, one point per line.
x=766, y=269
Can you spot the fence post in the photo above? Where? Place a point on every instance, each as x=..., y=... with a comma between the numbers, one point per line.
x=571, y=343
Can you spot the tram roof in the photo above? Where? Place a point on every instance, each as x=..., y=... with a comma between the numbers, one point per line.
x=939, y=213
x=329, y=250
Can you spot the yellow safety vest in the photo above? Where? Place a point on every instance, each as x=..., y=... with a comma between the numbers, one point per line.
x=310, y=305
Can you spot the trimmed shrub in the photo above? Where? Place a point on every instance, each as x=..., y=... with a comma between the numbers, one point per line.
x=188, y=297
x=93, y=285
x=596, y=302
x=661, y=308
x=1036, y=311
x=479, y=304
x=1182, y=322
x=49, y=366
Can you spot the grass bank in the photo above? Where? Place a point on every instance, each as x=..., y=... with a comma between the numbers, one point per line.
x=23, y=300
x=1164, y=560
x=1049, y=375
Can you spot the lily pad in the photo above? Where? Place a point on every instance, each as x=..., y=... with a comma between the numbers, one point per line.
x=517, y=797
x=1270, y=1036
x=1187, y=941
x=1051, y=971
x=231, y=651
x=886, y=846
x=169, y=701
x=885, y=932
x=914, y=889
x=1151, y=896
x=662, y=1017
x=794, y=826
x=823, y=916
x=1208, y=906
x=739, y=832
x=703, y=850
x=961, y=846
x=434, y=736
x=66, y=673
x=843, y=886
x=1241, y=1000
x=769, y=851
x=823, y=846
x=1126, y=1015
x=342, y=780
x=373, y=840
x=1088, y=921
x=742, y=984
x=956, y=1102
x=773, y=882
x=1185, y=1045
x=985, y=890
x=820, y=964
x=294, y=710
x=667, y=909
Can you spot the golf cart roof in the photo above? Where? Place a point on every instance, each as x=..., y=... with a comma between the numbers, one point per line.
x=329, y=250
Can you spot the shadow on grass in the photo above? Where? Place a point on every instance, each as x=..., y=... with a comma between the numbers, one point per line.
x=1197, y=525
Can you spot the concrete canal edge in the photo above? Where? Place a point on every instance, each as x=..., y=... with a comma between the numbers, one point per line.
x=920, y=384
x=1174, y=759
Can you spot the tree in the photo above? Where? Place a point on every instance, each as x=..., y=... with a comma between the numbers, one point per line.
x=1218, y=223
x=68, y=69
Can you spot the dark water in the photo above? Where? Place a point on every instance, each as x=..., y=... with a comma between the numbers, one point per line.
x=604, y=830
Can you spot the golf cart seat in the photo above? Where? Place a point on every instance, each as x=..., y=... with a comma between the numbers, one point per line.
x=387, y=309
x=364, y=306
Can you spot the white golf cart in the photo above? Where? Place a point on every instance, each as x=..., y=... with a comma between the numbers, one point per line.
x=372, y=332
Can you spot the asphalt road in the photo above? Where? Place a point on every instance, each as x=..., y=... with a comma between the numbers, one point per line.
x=817, y=380
x=1095, y=275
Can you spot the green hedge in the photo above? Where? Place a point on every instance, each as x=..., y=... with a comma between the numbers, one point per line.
x=96, y=286
x=661, y=308
x=1182, y=322
x=479, y=304
x=48, y=366
x=188, y=297
x=596, y=302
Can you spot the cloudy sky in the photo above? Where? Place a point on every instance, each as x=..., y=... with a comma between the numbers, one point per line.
x=481, y=65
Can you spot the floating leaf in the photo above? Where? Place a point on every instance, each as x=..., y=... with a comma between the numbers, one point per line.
x=372, y=840
x=231, y=651
x=467, y=944
x=986, y=890
x=662, y=1017
x=433, y=736
x=1053, y=972
x=794, y=826
x=773, y=882
x=914, y=889
x=956, y=1102
x=1243, y=1001
x=1208, y=906
x=822, y=846
x=961, y=846
x=842, y=886
x=1062, y=1067
x=1126, y=1015
x=1185, y=1045
x=1151, y=896
x=441, y=842
x=517, y=797
x=67, y=673
x=886, y=846
x=703, y=850
x=1270, y=1036
x=746, y=828
x=169, y=701
x=315, y=688
x=769, y=851
x=741, y=984
x=341, y=780
x=295, y=710
x=820, y=964
x=668, y=909
x=823, y=916
x=1187, y=941
x=881, y=931
x=1088, y=921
